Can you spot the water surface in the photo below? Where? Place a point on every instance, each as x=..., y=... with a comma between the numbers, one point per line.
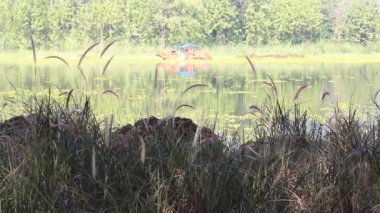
x=145, y=89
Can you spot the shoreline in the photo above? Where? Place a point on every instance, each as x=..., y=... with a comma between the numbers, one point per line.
x=24, y=58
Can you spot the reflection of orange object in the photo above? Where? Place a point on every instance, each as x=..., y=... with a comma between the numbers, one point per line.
x=189, y=53
x=190, y=67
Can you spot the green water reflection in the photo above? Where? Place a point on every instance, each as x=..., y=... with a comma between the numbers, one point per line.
x=155, y=89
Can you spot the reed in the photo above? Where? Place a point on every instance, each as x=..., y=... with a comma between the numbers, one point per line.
x=293, y=164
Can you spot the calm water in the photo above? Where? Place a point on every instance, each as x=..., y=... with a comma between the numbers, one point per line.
x=155, y=89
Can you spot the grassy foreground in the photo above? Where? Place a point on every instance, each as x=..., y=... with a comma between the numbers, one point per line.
x=65, y=160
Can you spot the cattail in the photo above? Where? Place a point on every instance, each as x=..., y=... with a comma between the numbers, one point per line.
x=107, y=64
x=324, y=95
x=193, y=86
x=59, y=58
x=106, y=48
x=85, y=53
x=183, y=105
x=251, y=64
x=110, y=91
x=299, y=91
x=255, y=108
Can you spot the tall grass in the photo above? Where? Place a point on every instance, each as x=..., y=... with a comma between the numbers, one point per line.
x=60, y=159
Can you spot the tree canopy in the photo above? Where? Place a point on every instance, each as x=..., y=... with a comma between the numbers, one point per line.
x=63, y=23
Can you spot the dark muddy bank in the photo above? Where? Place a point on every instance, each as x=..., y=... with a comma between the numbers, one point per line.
x=20, y=128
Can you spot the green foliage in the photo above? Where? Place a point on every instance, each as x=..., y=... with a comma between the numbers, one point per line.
x=141, y=23
x=294, y=21
x=65, y=23
x=101, y=20
x=14, y=24
x=220, y=20
x=60, y=22
x=360, y=25
x=181, y=21
x=257, y=23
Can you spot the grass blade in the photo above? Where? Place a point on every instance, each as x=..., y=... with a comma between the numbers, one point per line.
x=85, y=53
x=8, y=68
x=107, y=130
x=273, y=85
x=34, y=50
x=59, y=58
x=69, y=95
x=142, y=149
x=376, y=93
x=12, y=85
x=107, y=64
x=106, y=48
x=93, y=163
x=68, y=98
x=155, y=76
x=376, y=104
x=83, y=75
x=56, y=86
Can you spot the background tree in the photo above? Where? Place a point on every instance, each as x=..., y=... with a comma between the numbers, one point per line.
x=101, y=20
x=296, y=21
x=61, y=22
x=180, y=21
x=140, y=25
x=360, y=23
x=74, y=24
x=257, y=23
x=221, y=21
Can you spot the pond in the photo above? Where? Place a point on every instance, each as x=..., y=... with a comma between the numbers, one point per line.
x=130, y=91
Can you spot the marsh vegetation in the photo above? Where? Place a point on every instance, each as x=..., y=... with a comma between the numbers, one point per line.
x=62, y=158
x=285, y=118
